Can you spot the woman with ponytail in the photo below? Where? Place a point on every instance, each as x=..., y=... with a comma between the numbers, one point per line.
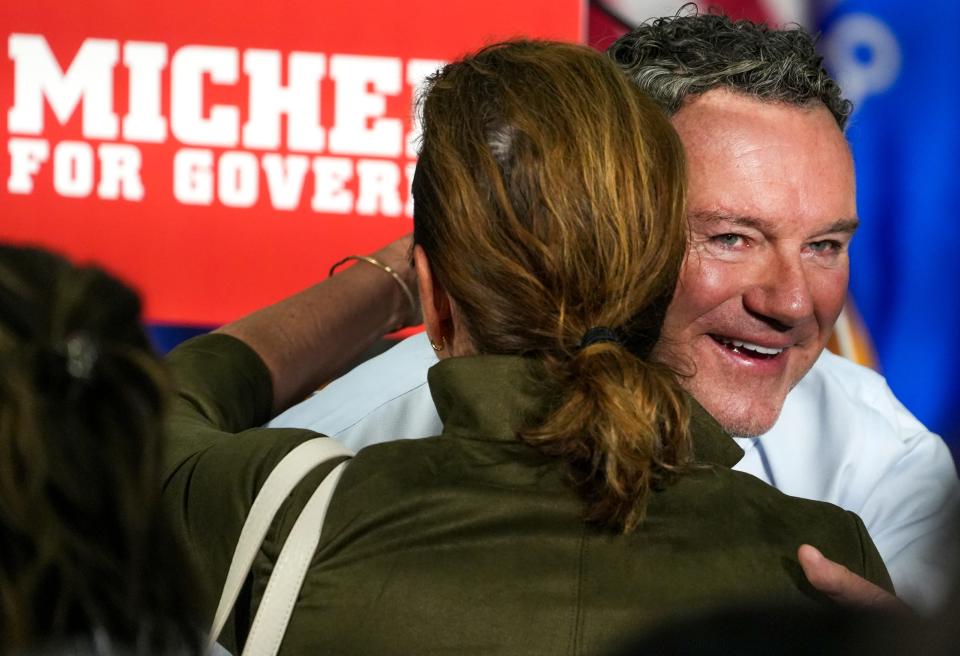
x=576, y=495
x=551, y=226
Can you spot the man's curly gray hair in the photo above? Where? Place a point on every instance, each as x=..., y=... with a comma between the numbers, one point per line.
x=679, y=56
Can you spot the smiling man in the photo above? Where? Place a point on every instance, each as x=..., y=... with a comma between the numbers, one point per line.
x=772, y=210
x=767, y=267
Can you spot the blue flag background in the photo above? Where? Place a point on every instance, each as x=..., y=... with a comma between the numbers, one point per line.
x=897, y=61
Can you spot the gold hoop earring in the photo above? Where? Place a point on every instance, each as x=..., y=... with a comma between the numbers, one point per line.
x=438, y=347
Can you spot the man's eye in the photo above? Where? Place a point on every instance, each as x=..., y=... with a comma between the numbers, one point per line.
x=826, y=246
x=728, y=240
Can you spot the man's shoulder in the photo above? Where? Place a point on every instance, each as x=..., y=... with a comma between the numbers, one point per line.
x=844, y=437
x=849, y=401
x=842, y=434
x=845, y=377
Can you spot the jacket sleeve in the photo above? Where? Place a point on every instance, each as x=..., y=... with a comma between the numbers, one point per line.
x=217, y=455
x=222, y=396
x=873, y=568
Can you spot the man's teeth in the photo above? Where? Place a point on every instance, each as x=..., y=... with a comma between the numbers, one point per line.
x=763, y=350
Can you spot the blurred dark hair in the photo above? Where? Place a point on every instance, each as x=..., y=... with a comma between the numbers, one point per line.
x=84, y=546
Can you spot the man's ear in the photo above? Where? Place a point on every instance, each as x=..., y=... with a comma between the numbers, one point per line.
x=435, y=302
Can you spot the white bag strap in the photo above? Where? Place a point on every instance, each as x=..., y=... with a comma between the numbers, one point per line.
x=273, y=493
x=283, y=588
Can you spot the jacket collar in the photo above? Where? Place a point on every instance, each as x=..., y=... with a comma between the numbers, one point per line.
x=491, y=396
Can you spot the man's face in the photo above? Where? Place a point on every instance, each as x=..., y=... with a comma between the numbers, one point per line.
x=772, y=210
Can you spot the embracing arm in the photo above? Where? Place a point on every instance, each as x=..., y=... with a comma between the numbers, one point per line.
x=308, y=338
x=217, y=455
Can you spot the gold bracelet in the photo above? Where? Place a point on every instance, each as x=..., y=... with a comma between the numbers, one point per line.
x=385, y=267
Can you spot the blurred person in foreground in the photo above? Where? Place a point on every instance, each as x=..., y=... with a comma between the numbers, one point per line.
x=575, y=493
x=772, y=210
x=759, y=630
x=87, y=561
x=792, y=631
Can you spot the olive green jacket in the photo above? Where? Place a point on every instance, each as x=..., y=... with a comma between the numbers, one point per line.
x=472, y=542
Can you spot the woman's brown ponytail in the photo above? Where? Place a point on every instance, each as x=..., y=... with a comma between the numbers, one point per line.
x=621, y=426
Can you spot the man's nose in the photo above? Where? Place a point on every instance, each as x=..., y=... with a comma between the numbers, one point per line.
x=781, y=292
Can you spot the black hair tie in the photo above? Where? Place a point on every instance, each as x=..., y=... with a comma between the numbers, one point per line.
x=599, y=334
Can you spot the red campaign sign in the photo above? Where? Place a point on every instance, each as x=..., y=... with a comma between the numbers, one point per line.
x=221, y=155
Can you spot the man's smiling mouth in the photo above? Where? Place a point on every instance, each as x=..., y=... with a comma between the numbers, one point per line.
x=747, y=348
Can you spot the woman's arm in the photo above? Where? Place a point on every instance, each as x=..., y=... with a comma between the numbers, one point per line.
x=217, y=455
x=308, y=338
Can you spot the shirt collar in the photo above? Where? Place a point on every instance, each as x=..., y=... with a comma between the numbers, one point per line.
x=492, y=396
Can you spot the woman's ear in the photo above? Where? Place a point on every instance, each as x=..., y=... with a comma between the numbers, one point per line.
x=435, y=303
